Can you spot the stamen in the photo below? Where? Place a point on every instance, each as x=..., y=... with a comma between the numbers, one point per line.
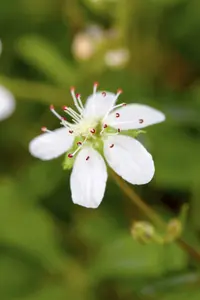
x=87, y=158
x=65, y=123
x=117, y=115
x=103, y=94
x=44, y=129
x=79, y=101
x=72, y=113
x=111, y=146
x=75, y=100
x=119, y=130
x=70, y=155
x=79, y=143
x=119, y=91
x=141, y=121
x=105, y=126
x=80, y=146
x=95, y=86
x=55, y=113
x=70, y=131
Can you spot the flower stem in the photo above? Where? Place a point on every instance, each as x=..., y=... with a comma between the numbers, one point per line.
x=151, y=214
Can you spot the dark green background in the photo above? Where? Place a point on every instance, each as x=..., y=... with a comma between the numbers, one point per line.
x=51, y=249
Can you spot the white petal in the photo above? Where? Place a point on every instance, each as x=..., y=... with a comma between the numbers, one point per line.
x=135, y=116
x=129, y=159
x=7, y=103
x=99, y=104
x=88, y=178
x=51, y=145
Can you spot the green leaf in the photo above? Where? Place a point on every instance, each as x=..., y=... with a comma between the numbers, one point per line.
x=39, y=91
x=124, y=257
x=20, y=273
x=43, y=55
x=29, y=227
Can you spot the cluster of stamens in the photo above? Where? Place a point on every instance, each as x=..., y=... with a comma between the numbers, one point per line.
x=77, y=116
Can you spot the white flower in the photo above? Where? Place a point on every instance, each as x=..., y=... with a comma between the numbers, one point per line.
x=7, y=103
x=86, y=42
x=97, y=126
x=117, y=58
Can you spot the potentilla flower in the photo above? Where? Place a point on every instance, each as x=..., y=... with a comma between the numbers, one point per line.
x=7, y=103
x=97, y=132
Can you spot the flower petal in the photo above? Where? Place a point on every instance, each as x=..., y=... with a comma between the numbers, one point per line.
x=88, y=178
x=99, y=104
x=51, y=145
x=7, y=103
x=135, y=116
x=129, y=159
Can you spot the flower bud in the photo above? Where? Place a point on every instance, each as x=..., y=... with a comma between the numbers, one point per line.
x=143, y=231
x=174, y=230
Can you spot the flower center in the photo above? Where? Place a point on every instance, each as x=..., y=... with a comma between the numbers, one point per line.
x=90, y=129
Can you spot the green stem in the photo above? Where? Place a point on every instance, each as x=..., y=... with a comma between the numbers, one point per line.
x=29, y=90
x=151, y=214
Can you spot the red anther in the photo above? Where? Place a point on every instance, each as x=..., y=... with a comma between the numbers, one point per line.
x=119, y=91
x=72, y=88
x=64, y=107
x=43, y=129
x=92, y=130
x=63, y=118
x=51, y=107
x=111, y=146
x=119, y=130
x=70, y=155
x=124, y=104
x=105, y=126
x=70, y=131
x=78, y=95
x=87, y=158
x=117, y=115
x=79, y=143
x=96, y=83
x=141, y=121
x=103, y=94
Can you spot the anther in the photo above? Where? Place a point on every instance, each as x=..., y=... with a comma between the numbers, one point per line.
x=119, y=130
x=43, y=129
x=64, y=107
x=119, y=91
x=124, y=104
x=103, y=94
x=141, y=121
x=70, y=155
x=92, y=130
x=63, y=118
x=117, y=115
x=72, y=88
x=105, y=126
x=79, y=143
x=78, y=95
x=96, y=84
x=87, y=158
x=111, y=146
x=51, y=107
x=71, y=131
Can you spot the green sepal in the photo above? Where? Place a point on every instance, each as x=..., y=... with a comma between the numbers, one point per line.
x=133, y=133
x=69, y=162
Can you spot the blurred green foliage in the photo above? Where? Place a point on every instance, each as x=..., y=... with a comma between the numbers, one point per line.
x=50, y=248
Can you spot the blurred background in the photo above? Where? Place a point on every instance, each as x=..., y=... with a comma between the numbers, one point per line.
x=51, y=249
